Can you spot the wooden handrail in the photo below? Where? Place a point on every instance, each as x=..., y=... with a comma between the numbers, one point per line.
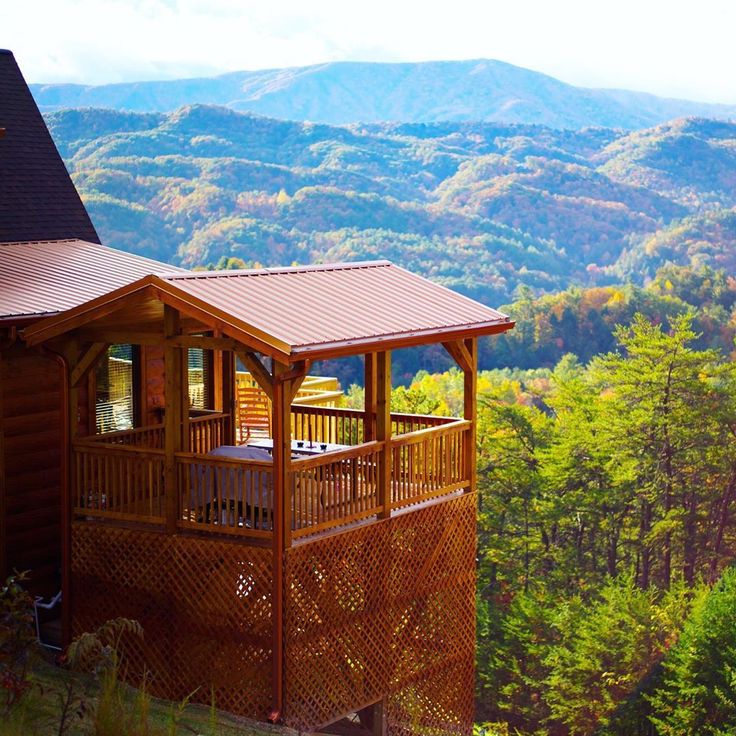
x=221, y=460
x=336, y=456
x=102, y=448
x=150, y=435
x=429, y=419
x=420, y=435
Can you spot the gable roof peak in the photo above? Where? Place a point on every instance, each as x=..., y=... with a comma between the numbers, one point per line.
x=38, y=200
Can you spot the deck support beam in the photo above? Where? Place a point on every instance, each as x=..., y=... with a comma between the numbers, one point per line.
x=371, y=379
x=383, y=429
x=88, y=361
x=173, y=364
x=227, y=391
x=259, y=372
x=281, y=537
x=470, y=409
x=459, y=352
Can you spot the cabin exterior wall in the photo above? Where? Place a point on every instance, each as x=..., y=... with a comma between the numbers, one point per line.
x=30, y=447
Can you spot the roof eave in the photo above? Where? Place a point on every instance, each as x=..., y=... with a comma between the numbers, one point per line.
x=58, y=324
x=344, y=348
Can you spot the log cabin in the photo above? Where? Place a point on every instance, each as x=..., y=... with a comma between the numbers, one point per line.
x=325, y=570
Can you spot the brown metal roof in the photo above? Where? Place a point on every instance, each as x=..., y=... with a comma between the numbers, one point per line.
x=334, y=305
x=39, y=278
x=307, y=312
x=38, y=200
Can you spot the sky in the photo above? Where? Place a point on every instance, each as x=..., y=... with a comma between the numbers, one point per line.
x=673, y=49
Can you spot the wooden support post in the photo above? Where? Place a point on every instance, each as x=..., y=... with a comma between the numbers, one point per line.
x=383, y=428
x=184, y=443
x=172, y=417
x=380, y=727
x=217, y=378
x=281, y=423
x=470, y=409
x=371, y=377
x=228, y=392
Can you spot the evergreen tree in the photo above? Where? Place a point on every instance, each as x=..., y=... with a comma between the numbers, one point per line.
x=697, y=694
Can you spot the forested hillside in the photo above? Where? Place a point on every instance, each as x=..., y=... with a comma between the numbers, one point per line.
x=605, y=514
x=481, y=207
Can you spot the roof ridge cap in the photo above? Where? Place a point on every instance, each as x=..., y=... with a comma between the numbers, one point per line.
x=308, y=268
x=47, y=240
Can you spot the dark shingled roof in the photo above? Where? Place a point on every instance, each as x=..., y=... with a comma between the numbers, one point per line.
x=38, y=200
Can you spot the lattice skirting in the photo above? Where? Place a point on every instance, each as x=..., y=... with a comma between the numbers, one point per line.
x=205, y=607
x=385, y=611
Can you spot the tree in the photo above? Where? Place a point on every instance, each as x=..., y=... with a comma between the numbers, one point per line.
x=697, y=693
x=659, y=417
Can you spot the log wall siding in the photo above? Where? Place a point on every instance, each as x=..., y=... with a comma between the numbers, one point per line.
x=152, y=384
x=30, y=423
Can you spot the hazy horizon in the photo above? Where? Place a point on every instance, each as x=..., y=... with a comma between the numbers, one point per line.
x=661, y=48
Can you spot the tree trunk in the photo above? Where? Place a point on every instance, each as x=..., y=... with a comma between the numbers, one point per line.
x=646, y=557
x=690, y=551
x=726, y=501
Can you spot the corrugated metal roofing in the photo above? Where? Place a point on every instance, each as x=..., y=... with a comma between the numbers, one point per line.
x=308, y=312
x=37, y=198
x=322, y=306
x=38, y=278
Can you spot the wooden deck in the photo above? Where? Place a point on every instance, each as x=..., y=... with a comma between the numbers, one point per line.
x=122, y=475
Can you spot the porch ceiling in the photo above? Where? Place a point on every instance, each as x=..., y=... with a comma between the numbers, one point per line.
x=291, y=313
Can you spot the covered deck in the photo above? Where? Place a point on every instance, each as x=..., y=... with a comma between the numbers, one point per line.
x=322, y=467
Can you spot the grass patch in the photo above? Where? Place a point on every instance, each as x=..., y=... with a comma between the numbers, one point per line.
x=106, y=707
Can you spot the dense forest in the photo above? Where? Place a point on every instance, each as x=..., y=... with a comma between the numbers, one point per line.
x=605, y=516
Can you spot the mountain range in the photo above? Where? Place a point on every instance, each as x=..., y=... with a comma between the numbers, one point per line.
x=351, y=92
x=482, y=207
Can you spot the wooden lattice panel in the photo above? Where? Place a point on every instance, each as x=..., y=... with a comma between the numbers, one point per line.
x=385, y=611
x=205, y=607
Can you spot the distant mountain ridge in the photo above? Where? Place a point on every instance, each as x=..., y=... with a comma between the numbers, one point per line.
x=350, y=92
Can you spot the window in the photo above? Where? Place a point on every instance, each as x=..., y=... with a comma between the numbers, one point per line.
x=115, y=389
x=200, y=378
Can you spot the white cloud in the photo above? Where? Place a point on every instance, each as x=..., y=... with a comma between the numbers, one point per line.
x=673, y=48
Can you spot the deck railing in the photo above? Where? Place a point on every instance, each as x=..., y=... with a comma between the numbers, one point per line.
x=428, y=463
x=347, y=426
x=208, y=431
x=406, y=423
x=327, y=424
x=151, y=437
x=116, y=477
x=334, y=489
x=225, y=496
x=118, y=482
